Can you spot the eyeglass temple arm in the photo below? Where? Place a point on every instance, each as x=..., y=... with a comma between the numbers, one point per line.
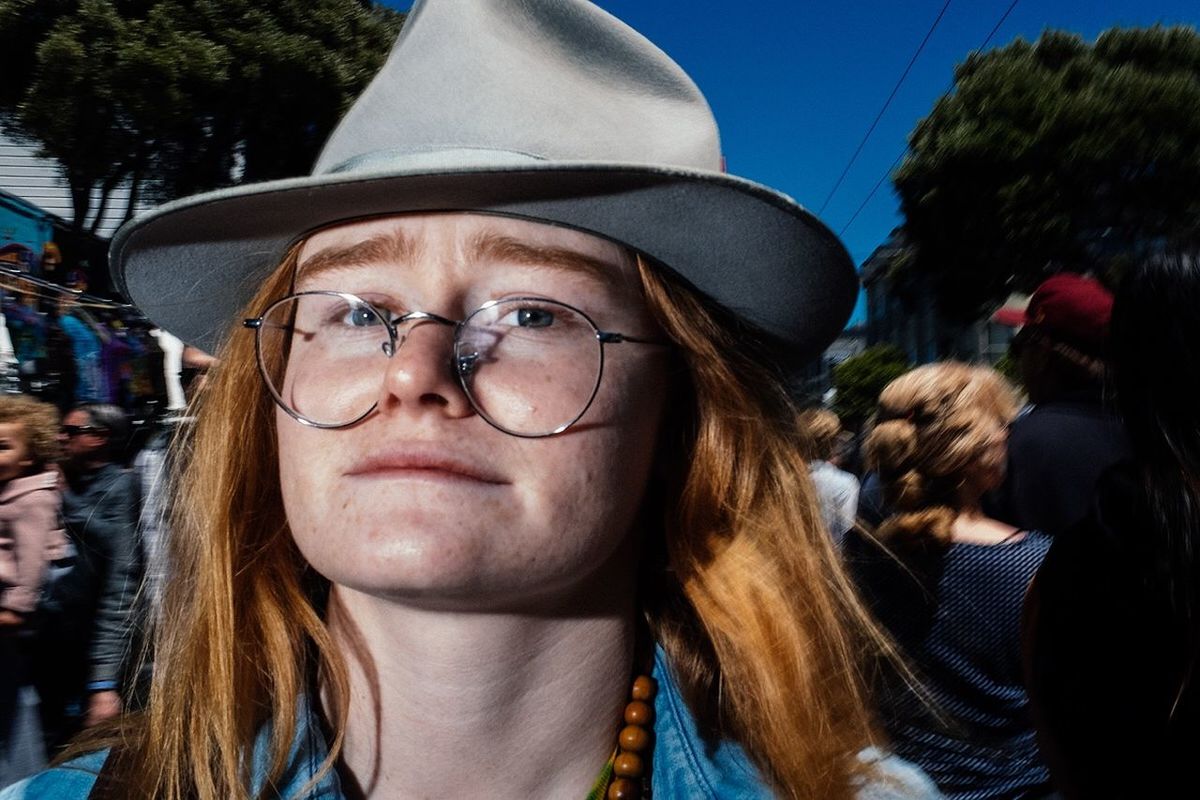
x=612, y=337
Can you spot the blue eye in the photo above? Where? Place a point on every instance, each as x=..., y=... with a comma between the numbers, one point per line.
x=362, y=317
x=534, y=318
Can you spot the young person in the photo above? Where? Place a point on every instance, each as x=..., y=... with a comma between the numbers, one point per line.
x=30, y=538
x=950, y=584
x=495, y=493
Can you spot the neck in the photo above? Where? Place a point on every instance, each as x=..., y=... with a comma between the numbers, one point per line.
x=480, y=705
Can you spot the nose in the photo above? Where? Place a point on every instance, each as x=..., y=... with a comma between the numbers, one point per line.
x=419, y=379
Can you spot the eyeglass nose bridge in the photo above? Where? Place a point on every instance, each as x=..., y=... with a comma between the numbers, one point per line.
x=410, y=321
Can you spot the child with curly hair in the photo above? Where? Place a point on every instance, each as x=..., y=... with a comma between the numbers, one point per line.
x=30, y=538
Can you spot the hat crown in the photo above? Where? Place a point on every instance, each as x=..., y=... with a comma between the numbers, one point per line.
x=544, y=80
x=1074, y=307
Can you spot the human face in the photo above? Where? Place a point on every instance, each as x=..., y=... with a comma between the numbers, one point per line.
x=424, y=501
x=83, y=446
x=15, y=458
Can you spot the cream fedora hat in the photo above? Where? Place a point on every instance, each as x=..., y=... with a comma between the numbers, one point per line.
x=549, y=110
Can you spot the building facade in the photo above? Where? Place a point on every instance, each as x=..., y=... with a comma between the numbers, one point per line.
x=902, y=310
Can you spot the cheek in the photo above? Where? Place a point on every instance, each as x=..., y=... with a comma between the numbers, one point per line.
x=302, y=473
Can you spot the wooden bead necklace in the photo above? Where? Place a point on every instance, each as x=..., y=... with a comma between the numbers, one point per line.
x=625, y=776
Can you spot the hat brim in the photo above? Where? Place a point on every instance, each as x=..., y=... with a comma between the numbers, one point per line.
x=192, y=265
x=1010, y=317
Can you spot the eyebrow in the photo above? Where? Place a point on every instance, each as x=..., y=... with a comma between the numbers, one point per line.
x=396, y=247
x=495, y=247
x=382, y=248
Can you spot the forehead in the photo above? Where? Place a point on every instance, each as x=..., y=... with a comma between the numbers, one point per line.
x=442, y=239
x=12, y=430
x=76, y=417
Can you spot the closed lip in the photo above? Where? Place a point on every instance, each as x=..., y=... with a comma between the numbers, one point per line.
x=422, y=461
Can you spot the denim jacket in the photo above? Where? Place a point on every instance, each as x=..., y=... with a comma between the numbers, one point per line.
x=684, y=767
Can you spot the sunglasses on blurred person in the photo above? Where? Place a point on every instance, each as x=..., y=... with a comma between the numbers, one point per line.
x=79, y=430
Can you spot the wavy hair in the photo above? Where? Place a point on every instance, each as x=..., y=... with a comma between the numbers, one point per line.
x=39, y=422
x=935, y=425
x=743, y=588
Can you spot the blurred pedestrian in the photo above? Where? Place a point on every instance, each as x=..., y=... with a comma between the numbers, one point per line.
x=837, y=490
x=947, y=582
x=1068, y=436
x=88, y=630
x=30, y=538
x=1114, y=617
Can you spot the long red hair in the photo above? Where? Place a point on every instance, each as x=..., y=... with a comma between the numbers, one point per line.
x=744, y=590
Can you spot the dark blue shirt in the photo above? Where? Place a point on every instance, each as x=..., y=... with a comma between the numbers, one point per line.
x=956, y=616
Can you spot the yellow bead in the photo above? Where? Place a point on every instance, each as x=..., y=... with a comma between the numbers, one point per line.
x=623, y=789
x=638, y=713
x=628, y=765
x=634, y=738
x=644, y=688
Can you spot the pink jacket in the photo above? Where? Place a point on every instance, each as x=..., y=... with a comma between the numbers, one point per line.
x=30, y=537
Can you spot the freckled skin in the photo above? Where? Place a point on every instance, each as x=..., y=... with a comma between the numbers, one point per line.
x=562, y=505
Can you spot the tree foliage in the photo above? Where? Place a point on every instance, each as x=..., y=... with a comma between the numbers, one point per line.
x=1054, y=154
x=858, y=380
x=181, y=96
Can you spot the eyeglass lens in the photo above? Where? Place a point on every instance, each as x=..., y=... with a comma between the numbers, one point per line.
x=528, y=366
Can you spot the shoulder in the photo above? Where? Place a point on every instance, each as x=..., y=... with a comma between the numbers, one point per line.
x=889, y=777
x=32, y=491
x=685, y=765
x=827, y=474
x=114, y=484
x=70, y=781
x=688, y=767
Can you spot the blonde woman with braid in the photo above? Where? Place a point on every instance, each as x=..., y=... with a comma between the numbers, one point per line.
x=495, y=491
x=947, y=582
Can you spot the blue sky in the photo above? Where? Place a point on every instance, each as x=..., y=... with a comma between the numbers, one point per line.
x=795, y=83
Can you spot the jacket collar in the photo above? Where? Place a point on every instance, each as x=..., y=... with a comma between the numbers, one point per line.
x=684, y=765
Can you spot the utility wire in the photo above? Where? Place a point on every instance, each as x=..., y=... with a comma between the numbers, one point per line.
x=837, y=184
x=59, y=290
x=896, y=163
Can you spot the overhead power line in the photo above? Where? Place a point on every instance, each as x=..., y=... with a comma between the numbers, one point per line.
x=886, y=103
x=896, y=163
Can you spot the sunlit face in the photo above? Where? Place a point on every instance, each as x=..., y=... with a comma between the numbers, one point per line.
x=15, y=458
x=423, y=500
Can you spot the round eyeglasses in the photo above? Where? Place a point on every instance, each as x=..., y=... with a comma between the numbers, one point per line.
x=529, y=366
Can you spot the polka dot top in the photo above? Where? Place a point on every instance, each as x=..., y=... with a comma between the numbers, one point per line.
x=956, y=615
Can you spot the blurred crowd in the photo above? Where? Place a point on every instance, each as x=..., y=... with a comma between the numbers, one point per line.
x=1031, y=549
x=83, y=509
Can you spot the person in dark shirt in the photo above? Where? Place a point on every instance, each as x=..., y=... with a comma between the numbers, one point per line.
x=87, y=635
x=1112, y=623
x=1068, y=437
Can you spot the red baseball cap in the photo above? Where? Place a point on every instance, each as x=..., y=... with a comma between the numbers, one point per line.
x=1071, y=308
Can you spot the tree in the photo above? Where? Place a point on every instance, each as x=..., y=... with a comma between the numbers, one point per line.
x=181, y=96
x=1056, y=154
x=858, y=380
